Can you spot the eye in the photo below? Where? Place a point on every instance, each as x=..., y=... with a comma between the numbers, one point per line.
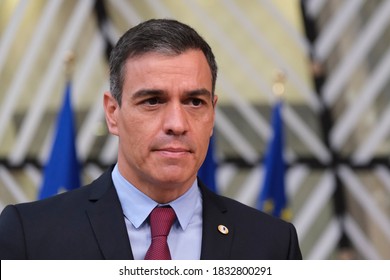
x=196, y=102
x=152, y=101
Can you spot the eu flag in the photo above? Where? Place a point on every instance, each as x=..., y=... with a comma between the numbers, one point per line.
x=62, y=170
x=207, y=172
x=272, y=197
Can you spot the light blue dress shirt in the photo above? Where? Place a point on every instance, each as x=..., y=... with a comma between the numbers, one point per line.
x=185, y=237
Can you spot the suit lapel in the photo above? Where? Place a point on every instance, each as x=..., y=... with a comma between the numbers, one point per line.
x=216, y=241
x=107, y=221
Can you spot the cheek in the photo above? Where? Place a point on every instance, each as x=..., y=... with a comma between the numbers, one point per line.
x=208, y=127
x=204, y=134
x=138, y=132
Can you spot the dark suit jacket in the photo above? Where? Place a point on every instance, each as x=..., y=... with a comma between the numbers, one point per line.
x=88, y=223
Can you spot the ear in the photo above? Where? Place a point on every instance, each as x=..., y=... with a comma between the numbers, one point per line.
x=214, y=104
x=111, y=108
x=215, y=100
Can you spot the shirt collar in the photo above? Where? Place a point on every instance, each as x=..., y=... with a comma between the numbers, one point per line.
x=137, y=206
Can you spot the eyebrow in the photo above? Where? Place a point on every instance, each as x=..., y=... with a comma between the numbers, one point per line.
x=144, y=93
x=199, y=92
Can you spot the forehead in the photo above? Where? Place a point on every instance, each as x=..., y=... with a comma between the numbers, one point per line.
x=189, y=58
x=190, y=65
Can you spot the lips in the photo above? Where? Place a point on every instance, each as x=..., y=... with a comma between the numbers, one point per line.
x=173, y=151
x=169, y=147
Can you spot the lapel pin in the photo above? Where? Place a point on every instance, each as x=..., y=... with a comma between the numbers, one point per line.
x=223, y=229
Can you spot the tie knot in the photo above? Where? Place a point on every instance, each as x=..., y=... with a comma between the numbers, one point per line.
x=161, y=221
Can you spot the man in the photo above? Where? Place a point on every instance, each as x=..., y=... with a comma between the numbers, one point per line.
x=161, y=105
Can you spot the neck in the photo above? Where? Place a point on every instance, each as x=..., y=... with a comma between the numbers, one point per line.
x=160, y=191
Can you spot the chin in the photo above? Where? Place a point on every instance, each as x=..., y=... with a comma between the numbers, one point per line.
x=174, y=178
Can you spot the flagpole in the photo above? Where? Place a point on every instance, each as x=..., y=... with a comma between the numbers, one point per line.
x=62, y=168
x=278, y=87
x=272, y=198
x=69, y=59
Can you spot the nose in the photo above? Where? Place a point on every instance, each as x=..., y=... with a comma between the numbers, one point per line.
x=175, y=120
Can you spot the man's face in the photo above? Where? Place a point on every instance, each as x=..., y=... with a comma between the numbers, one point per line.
x=165, y=120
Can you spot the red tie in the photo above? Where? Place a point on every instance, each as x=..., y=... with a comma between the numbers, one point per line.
x=161, y=220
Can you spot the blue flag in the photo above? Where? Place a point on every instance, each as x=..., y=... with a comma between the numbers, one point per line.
x=62, y=170
x=207, y=172
x=272, y=197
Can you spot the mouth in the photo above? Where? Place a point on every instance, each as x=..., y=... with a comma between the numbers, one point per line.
x=173, y=151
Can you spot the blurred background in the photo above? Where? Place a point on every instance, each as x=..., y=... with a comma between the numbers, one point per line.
x=334, y=59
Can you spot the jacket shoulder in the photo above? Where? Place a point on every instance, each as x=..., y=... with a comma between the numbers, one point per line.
x=256, y=235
